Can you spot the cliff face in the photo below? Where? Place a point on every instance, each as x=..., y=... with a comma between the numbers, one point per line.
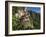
x=25, y=20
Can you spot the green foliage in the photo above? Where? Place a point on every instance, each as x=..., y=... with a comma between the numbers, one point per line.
x=37, y=22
